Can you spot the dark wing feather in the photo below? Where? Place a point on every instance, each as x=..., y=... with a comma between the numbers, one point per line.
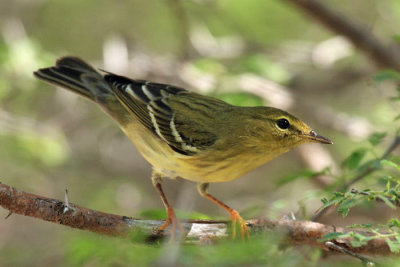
x=149, y=102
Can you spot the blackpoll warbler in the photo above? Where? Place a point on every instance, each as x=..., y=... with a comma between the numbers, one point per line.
x=184, y=134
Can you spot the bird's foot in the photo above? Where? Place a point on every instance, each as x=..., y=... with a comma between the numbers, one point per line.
x=237, y=220
x=176, y=227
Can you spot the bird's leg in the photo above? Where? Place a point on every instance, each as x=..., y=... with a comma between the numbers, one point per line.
x=171, y=216
x=234, y=215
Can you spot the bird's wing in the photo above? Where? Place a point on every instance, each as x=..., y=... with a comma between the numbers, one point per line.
x=152, y=104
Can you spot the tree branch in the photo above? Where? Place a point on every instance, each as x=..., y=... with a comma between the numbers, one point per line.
x=53, y=210
x=386, y=55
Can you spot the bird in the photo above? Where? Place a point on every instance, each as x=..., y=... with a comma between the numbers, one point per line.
x=183, y=134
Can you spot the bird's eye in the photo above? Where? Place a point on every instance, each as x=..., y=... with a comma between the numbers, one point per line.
x=283, y=124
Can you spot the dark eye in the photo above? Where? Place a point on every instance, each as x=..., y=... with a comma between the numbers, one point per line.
x=283, y=124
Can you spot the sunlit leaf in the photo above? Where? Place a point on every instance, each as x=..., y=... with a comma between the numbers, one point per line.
x=386, y=162
x=394, y=245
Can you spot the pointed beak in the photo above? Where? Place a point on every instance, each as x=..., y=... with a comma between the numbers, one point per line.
x=314, y=137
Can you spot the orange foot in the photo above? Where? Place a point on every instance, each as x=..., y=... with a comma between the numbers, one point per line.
x=237, y=219
x=173, y=220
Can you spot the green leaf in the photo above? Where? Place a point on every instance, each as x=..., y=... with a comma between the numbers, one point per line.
x=394, y=245
x=330, y=236
x=346, y=205
x=394, y=223
x=360, y=239
x=393, y=192
x=336, y=199
x=376, y=138
x=324, y=200
x=387, y=201
x=388, y=185
x=354, y=160
x=386, y=162
x=387, y=75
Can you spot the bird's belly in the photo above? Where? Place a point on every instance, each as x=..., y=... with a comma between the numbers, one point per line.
x=212, y=171
x=203, y=168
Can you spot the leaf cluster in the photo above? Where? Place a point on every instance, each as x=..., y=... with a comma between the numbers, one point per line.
x=344, y=202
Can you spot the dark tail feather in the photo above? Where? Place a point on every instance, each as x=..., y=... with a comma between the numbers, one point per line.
x=76, y=75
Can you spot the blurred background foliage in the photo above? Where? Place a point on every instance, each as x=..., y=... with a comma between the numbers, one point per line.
x=245, y=52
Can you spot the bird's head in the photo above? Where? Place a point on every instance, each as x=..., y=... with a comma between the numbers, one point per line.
x=278, y=130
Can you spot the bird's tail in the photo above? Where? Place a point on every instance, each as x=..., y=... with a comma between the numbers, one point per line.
x=76, y=75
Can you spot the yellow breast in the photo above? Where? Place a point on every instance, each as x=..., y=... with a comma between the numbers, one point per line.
x=206, y=166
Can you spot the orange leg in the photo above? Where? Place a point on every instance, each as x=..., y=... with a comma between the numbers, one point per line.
x=234, y=215
x=171, y=216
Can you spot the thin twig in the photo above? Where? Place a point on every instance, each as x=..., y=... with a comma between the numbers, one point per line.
x=295, y=232
x=364, y=260
x=386, y=55
x=8, y=215
x=360, y=192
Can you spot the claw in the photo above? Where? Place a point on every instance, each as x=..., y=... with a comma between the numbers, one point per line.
x=235, y=216
x=171, y=216
x=173, y=221
x=237, y=219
